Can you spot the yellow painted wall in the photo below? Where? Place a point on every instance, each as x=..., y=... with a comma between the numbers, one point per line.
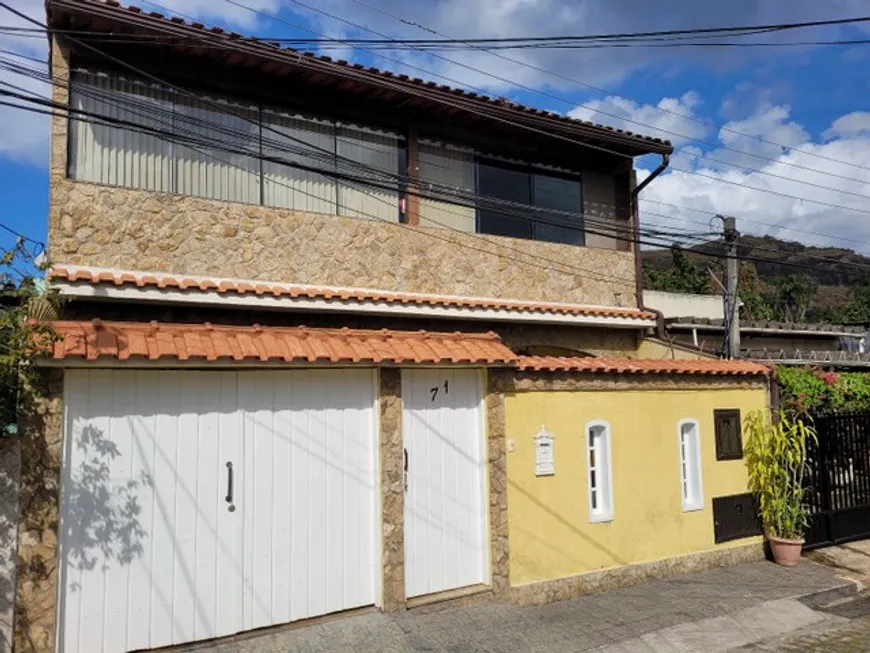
x=550, y=533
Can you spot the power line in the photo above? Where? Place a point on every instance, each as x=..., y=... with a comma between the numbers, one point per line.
x=563, y=266
x=390, y=181
x=128, y=65
x=442, y=45
x=525, y=64
x=467, y=107
x=445, y=194
x=573, y=269
x=779, y=226
x=759, y=222
x=528, y=212
x=560, y=137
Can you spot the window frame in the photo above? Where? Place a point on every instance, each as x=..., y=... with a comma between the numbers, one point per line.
x=230, y=106
x=530, y=170
x=690, y=504
x=721, y=452
x=603, y=512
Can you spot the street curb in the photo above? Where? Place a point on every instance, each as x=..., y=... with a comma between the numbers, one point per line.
x=821, y=598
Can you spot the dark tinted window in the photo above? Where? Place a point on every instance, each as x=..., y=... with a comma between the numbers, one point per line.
x=564, y=196
x=527, y=187
x=503, y=182
x=729, y=441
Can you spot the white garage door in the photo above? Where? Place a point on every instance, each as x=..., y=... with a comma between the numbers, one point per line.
x=200, y=504
x=445, y=511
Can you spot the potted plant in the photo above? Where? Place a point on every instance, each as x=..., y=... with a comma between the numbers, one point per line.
x=776, y=459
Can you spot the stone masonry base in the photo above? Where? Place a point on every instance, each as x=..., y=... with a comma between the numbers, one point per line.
x=570, y=587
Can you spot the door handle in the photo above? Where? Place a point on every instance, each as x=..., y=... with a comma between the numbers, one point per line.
x=229, y=497
x=405, y=473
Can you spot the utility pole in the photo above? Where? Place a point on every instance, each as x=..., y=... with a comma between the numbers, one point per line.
x=732, y=301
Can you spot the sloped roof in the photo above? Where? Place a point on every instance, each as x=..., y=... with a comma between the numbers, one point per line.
x=223, y=286
x=152, y=341
x=111, y=17
x=642, y=366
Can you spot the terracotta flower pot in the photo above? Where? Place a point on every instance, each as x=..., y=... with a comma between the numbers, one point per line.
x=785, y=552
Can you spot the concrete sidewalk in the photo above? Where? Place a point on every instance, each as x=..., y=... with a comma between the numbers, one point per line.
x=716, y=610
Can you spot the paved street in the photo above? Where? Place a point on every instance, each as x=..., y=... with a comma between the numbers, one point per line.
x=853, y=638
x=709, y=611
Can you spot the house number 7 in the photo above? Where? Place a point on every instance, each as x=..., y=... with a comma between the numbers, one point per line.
x=435, y=389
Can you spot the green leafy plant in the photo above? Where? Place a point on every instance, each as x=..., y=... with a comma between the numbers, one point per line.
x=814, y=391
x=793, y=295
x=776, y=459
x=26, y=307
x=682, y=276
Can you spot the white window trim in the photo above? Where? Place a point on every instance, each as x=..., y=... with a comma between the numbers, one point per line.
x=605, y=490
x=697, y=503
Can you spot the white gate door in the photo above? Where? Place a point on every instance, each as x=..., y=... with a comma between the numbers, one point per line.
x=200, y=504
x=310, y=514
x=151, y=552
x=445, y=508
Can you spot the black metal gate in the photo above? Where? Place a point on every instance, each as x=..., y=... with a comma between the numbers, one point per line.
x=838, y=483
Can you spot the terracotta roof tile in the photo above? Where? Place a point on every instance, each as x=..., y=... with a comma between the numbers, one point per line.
x=97, y=276
x=642, y=366
x=152, y=341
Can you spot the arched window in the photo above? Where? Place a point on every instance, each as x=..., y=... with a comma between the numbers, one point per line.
x=691, y=489
x=599, y=471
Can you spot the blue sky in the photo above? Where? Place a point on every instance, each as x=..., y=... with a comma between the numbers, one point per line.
x=812, y=102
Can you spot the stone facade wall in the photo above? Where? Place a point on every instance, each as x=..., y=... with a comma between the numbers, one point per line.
x=392, y=490
x=10, y=467
x=562, y=589
x=558, y=340
x=499, y=541
x=41, y=435
x=119, y=228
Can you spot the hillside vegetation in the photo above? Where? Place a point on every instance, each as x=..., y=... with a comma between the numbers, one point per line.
x=828, y=280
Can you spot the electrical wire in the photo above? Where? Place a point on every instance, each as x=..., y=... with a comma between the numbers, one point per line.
x=473, y=110
x=464, y=106
x=6, y=6
x=688, y=32
x=525, y=208
x=779, y=226
x=465, y=234
x=443, y=192
x=520, y=62
x=445, y=45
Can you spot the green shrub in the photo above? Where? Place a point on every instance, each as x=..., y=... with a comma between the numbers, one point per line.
x=776, y=459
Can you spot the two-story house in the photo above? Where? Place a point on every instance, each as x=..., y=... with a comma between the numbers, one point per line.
x=335, y=338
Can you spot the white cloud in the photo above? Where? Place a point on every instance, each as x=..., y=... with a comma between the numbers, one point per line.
x=217, y=10
x=599, y=67
x=852, y=124
x=766, y=133
x=670, y=119
x=24, y=136
x=706, y=188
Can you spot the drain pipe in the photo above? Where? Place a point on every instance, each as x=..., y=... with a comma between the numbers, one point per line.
x=638, y=264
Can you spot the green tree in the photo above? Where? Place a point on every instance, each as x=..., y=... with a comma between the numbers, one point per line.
x=793, y=294
x=857, y=310
x=25, y=309
x=681, y=277
x=750, y=288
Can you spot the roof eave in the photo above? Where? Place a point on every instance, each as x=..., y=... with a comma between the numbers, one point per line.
x=626, y=143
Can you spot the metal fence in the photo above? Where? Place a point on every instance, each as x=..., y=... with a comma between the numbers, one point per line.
x=838, y=483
